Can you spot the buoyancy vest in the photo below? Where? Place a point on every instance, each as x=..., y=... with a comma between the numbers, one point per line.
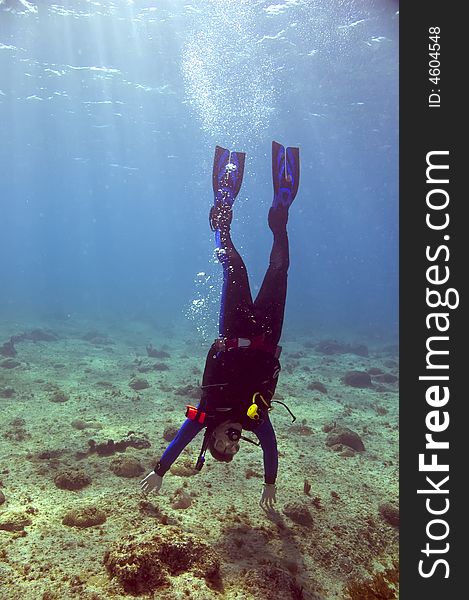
x=236, y=378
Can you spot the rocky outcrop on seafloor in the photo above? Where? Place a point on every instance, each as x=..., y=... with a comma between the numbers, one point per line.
x=170, y=433
x=275, y=582
x=9, y=363
x=343, y=436
x=34, y=335
x=331, y=347
x=59, y=396
x=155, y=353
x=16, y=430
x=14, y=521
x=72, y=480
x=389, y=513
x=7, y=392
x=8, y=349
x=358, y=379
x=138, y=383
x=188, y=391
x=37, y=335
x=126, y=466
x=97, y=338
x=84, y=517
x=144, y=564
x=386, y=378
x=317, y=386
x=133, y=439
x=299, y=513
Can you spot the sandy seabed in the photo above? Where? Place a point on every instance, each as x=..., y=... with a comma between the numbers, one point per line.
x=336, y=524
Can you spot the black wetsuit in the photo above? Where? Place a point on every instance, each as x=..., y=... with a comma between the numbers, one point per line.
x=231, y=377
x=239, y=315
x=236, y=374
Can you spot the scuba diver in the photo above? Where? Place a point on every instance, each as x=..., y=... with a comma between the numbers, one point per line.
x=242, y=365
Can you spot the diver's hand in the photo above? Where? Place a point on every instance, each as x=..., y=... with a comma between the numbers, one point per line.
x=269, y=496
x=151, y=483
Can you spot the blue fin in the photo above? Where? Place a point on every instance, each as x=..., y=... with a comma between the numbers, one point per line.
x=285, y=174
x=228, y=170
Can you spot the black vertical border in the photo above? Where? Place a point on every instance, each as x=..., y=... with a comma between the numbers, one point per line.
x=424, y=129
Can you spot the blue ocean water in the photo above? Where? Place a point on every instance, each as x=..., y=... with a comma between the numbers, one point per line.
x=109, y=114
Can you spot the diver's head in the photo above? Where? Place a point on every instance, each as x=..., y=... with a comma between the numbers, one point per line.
x=224, y=442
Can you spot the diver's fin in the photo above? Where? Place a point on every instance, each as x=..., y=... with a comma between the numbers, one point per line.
x=220, y=217
x=285, y=174
x=228, y=170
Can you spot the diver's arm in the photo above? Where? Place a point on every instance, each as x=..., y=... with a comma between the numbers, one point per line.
x=266, y=436
x=185, y=435
x=187, y=432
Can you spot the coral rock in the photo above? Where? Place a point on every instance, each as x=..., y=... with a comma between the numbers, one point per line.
x=8, y=349
x=6, y=392
x=374, y=371
x=249, y=473
x=154, y=353
x=298, y=513
x=139, y=384
x=160, y=367
x=181, y=500
x=331, y=347
x=80, y=424
x=301, y=429
x=345, y=436
x=170, y=433
x=358, y=379
x=126, y=466
x=347, y=452
x=2, y=498
x=72, y=480
x=389, y=513
x=188, y=391
x=318, y=386
x=386, y=378
x=41, y=335
x=272, y=582
x=383, y=584
x=86, y=516
x=97, y=338
x=184, y=468
x=358, y=349
x=145, y=564
x=9, y=363
x=134, y=439
x=59, y=396
x=17, y=431
x=14, y=521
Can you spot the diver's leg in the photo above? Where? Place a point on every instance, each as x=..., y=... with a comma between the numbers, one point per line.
x=271, y=298
x=236, y=294
x=228, y=169
x=270, y=301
